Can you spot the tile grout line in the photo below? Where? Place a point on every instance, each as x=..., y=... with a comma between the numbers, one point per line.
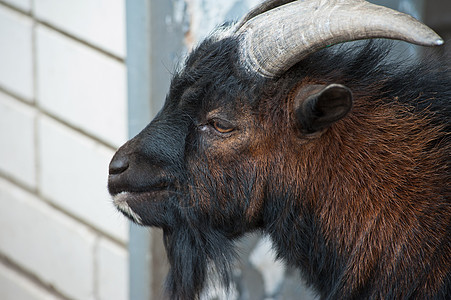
x=95, y=267
x=36, y=132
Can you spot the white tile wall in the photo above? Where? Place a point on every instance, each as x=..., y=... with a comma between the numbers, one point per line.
x=16, y=71
x=81, y=86
x=17, y=158
x=112, y=266
x=13, y=286
x=99, y=22
x=46, y=242
x=24, y=5
x=73, y=175
x=49, y=79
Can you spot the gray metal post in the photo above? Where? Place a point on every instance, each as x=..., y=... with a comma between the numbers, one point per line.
x=139, y=113
x=154, y=44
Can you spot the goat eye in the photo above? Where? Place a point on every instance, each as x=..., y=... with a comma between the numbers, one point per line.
x=222, y=126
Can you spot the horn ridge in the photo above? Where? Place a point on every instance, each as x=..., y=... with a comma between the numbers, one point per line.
x=261, y=8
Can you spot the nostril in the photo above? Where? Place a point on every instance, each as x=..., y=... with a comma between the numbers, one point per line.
x=118, y=165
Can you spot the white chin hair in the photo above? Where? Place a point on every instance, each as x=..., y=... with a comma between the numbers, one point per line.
x=120, y=201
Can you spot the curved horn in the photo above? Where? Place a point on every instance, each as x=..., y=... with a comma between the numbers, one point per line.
x=275, y=40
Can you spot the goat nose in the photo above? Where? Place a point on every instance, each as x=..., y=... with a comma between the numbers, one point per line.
x=118, y=164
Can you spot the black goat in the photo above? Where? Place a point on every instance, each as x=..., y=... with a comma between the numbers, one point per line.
x=339, y=155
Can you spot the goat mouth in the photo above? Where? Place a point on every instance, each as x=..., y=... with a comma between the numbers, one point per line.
x=131, y=203
x=121, y=203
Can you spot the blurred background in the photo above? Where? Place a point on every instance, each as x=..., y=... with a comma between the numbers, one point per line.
x=77, y=79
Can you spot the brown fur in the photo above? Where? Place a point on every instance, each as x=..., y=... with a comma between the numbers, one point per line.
x=379, y=186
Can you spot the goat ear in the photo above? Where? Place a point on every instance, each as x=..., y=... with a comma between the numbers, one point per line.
x=319, y=106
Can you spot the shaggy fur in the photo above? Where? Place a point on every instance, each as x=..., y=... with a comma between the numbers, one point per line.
x=362, y=209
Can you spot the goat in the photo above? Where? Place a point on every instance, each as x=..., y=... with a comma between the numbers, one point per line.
x=339, y=155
